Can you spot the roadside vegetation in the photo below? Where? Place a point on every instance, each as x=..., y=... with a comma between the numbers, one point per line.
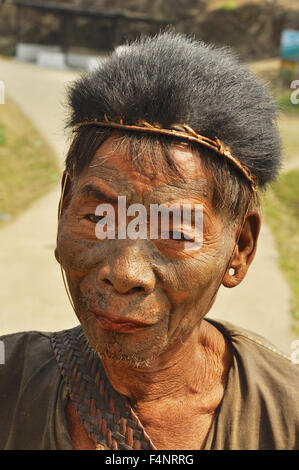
x=289, y=132
x=281, y=212
x=280, y=204
x=28, y=166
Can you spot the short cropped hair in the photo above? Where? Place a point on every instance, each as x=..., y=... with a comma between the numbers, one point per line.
x=173, y=79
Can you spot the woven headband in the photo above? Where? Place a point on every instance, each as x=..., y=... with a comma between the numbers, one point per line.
x=181, y=131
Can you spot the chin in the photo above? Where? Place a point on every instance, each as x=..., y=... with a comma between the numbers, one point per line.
x=136, y=350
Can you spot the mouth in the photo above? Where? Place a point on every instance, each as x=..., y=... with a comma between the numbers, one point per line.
x=119, y=324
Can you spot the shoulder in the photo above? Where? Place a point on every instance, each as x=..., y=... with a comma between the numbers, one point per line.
x=24, y=342
x=27, y=351
x=32, y=396
x=255, y=350
x=24, y=353
x=262, y=393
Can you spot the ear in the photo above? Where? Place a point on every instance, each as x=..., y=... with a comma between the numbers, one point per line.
x=245, y=250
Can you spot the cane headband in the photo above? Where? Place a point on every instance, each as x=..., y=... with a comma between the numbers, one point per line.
x=182, y=131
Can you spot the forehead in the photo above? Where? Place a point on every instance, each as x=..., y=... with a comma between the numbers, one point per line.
x=113, y=165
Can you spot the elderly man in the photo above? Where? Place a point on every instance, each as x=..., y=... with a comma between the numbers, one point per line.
x=164, y=123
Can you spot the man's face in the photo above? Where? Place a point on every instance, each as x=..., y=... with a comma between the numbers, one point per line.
x=136, y=297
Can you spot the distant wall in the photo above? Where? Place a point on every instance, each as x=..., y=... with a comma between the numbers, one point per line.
x=253, y=30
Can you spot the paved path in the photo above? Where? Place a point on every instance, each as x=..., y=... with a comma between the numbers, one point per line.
x=31, y=291
x=32, y=295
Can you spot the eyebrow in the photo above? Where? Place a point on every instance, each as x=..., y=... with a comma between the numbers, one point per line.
x=89, y=190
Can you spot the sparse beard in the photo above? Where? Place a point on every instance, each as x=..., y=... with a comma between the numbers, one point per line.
x=112, y=345
x=113, y=350
x=131, y=360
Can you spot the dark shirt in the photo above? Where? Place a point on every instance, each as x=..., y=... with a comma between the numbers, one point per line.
x=259, y=409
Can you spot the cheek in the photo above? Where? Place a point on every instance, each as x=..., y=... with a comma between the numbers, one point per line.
x=193, y=272
x=191, y=284
x=79, y=256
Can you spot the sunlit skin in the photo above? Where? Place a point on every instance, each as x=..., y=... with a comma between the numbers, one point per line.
x=141, y=303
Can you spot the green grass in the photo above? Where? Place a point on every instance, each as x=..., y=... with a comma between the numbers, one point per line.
x=288, y=126
x=228, y=5
x=286, y=105
x=281, y=212
x=28, y=166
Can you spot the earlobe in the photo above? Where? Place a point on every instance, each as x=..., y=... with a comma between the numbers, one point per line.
x=233, y=277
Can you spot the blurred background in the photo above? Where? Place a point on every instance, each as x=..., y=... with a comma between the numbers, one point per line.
x=44, y=45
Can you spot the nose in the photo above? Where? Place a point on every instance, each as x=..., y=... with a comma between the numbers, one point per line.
x=128, y=272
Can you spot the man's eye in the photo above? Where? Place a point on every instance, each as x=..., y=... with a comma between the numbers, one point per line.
x=180, y=236
x=94, y=218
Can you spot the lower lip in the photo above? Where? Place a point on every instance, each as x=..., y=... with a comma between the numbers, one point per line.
x=120, y=327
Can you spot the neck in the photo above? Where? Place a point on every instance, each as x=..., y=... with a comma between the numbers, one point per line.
x=198, y=365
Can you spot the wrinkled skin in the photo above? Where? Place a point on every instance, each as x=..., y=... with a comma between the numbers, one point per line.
x=168, y=288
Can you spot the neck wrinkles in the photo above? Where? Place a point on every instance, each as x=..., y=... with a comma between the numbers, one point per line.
x=197, y=366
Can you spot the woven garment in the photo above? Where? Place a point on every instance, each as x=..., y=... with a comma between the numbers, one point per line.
x=105, y=414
